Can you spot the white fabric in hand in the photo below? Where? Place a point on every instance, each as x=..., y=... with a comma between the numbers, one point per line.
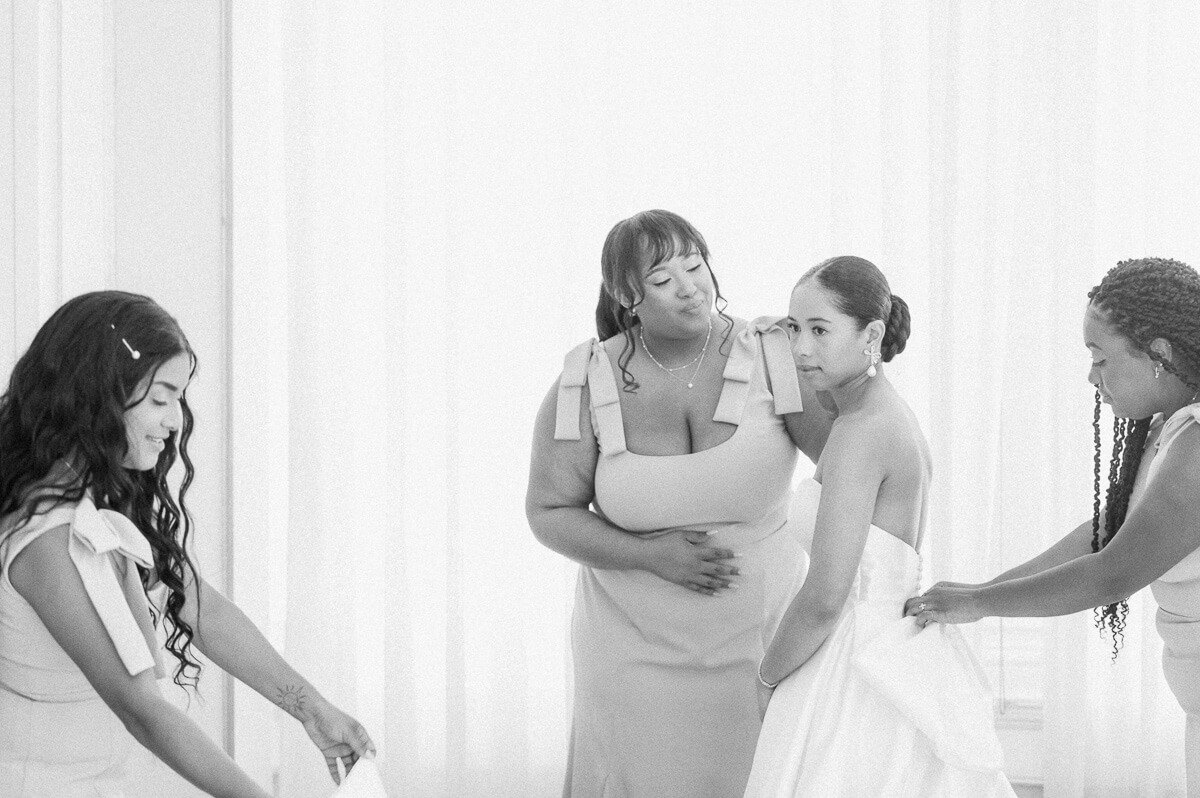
x=363, y=781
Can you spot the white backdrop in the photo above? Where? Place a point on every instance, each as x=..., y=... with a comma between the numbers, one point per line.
x=419, y=196
x=113, y=175
x=435, y=182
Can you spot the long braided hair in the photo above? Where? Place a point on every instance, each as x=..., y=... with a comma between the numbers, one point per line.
x=91, y=361
x=1142, y=300
x=645, y=239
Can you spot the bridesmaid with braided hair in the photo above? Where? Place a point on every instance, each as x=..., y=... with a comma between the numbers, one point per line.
x=1142, y=327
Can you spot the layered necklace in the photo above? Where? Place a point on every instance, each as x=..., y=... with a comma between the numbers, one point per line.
x=697, y=361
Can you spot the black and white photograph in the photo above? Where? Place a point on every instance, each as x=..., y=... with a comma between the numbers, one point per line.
x=655, y=399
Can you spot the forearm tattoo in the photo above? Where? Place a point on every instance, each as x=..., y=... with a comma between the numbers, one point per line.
x=291, y=699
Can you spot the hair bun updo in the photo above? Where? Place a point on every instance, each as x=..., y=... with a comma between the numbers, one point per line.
x=895, y=336
x=861, y=291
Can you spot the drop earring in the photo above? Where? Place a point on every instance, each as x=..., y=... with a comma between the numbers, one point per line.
x=1157, y=369
x=871, y=370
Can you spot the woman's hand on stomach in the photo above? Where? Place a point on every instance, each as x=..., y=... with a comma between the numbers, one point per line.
x=686, y=558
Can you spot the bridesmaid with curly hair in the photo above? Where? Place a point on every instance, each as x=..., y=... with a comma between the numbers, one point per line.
x=1142, y=327
x=94, y=552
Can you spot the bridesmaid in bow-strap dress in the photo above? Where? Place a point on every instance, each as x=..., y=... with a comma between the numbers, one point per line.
x=662, y=463
x=92, y=533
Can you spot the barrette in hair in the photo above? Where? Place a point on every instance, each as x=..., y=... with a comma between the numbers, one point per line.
x=132, y=352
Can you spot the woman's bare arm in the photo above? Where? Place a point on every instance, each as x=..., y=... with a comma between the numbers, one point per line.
x=850, y=484
x=45, y=576
x=1160, y=530
x=232, y=641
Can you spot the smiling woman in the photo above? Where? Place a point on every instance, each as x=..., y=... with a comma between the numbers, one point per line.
x=158, y=414
x=664, y=452
x=94, y=550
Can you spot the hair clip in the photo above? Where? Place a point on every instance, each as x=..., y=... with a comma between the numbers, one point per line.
x=132, y=352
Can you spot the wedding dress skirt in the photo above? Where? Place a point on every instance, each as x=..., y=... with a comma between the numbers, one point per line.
x=884, y=708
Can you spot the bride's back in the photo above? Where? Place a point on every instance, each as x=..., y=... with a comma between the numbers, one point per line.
x=889, y=433
x=903, y=501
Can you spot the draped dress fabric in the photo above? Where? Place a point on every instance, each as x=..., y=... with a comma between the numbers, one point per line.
x=1177, y=593
x=884, y=709
x=666, y=702
x=57, y=737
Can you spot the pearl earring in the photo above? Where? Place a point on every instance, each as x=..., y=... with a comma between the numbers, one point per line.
x=871, y=370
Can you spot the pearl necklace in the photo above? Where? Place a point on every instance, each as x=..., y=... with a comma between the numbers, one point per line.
x=698, y=359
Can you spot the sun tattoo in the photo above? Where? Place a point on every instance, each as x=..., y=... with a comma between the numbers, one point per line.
x=291, y=699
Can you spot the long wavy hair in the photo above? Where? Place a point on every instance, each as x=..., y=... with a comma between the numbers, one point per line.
x=1141, y=300
x=633, y=245
x=65, y=403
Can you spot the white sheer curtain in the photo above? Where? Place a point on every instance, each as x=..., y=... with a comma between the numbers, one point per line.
x=112, y=177
x=420, y=195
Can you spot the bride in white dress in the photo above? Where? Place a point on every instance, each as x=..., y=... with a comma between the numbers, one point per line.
x=865, y=701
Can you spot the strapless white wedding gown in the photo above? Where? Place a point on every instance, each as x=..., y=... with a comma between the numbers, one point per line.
x=884, y=708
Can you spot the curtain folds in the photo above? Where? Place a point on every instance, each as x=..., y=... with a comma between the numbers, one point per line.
x=420, y=194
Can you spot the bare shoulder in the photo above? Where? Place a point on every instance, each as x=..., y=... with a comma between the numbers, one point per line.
x=906, y=447
x=884, y=423
x=855, y=439
x=887, y=435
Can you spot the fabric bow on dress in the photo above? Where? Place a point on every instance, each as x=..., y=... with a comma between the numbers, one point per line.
x=104, y=542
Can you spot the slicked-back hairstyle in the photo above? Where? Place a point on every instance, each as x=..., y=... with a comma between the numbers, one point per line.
x=633, y=245
x=861, y=291
x=1141, y=300
x=66, y=400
